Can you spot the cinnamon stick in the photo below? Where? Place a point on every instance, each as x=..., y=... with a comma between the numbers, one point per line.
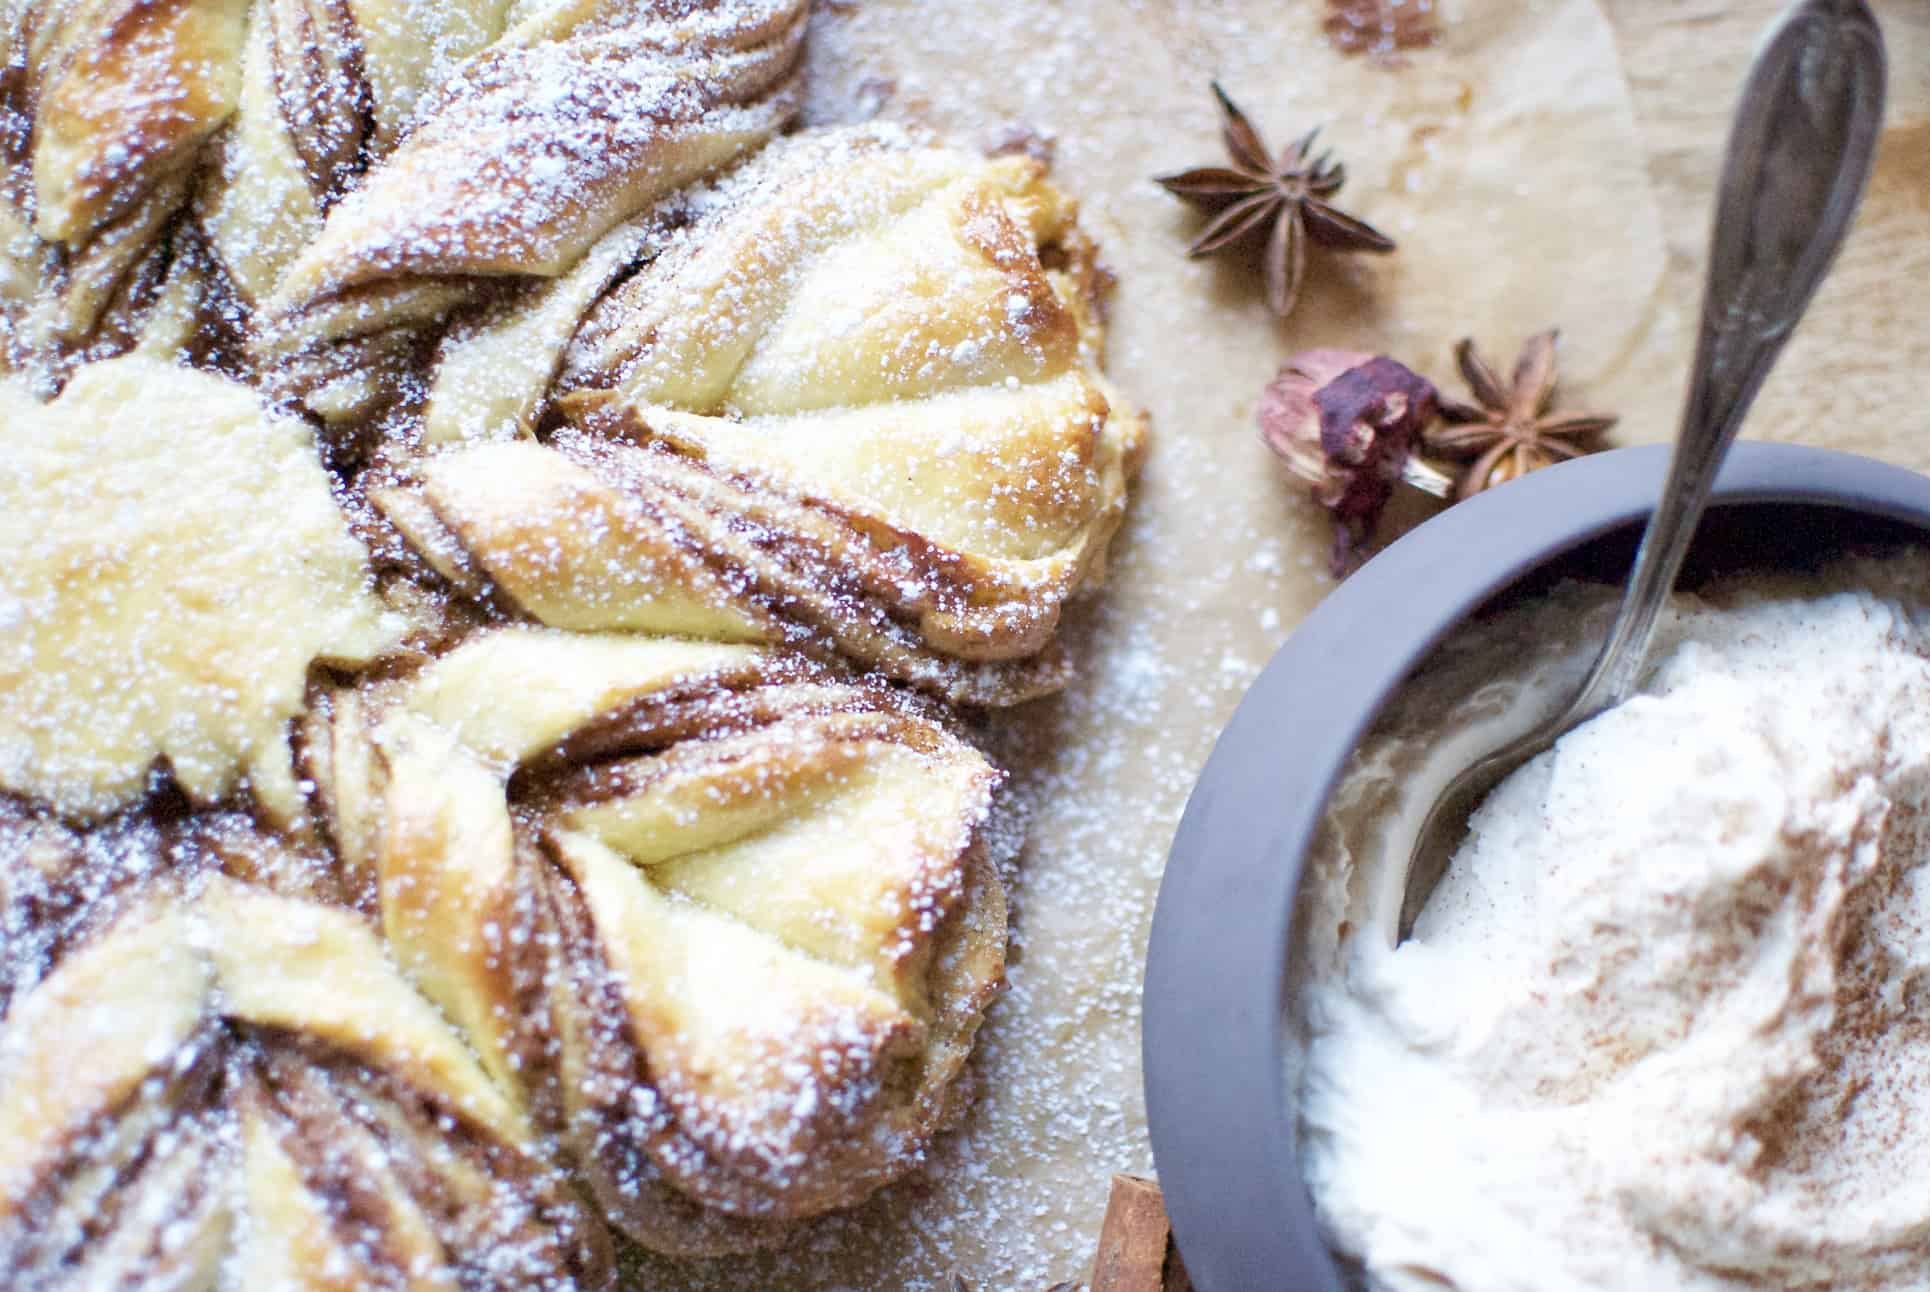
x=1136, y=1251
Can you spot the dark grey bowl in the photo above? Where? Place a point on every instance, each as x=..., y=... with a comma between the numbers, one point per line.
x=1213, y=1035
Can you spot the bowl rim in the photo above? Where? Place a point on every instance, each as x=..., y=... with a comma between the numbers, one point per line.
x=1213, y=1002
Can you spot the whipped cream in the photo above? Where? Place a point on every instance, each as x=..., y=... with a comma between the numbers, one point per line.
x=1666, y=1021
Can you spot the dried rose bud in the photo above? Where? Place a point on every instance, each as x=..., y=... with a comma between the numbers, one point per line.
x=1348, y=423
x=1290, y=420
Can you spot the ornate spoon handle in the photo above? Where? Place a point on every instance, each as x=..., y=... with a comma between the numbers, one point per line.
x=1799, y=156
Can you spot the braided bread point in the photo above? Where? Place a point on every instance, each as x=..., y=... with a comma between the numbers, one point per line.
x=720, y=919
x=327, y=88
x=224, y=1082
x=577, y=118
x=121, y=95
x=855, y=403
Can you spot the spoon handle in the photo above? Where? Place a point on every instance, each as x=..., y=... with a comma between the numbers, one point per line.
x=1799, y=155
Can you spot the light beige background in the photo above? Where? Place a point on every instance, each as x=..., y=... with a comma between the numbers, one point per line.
x=1551, y=163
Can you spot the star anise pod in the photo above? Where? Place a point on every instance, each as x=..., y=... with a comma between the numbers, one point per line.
x=1514, y=429
x=1287, y=199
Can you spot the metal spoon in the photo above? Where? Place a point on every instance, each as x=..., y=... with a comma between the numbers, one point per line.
x=1799, y=154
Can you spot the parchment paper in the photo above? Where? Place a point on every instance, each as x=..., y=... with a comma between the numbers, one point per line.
x=1548, y=164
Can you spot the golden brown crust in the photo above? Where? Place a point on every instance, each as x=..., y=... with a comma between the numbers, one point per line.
x=884, y=434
